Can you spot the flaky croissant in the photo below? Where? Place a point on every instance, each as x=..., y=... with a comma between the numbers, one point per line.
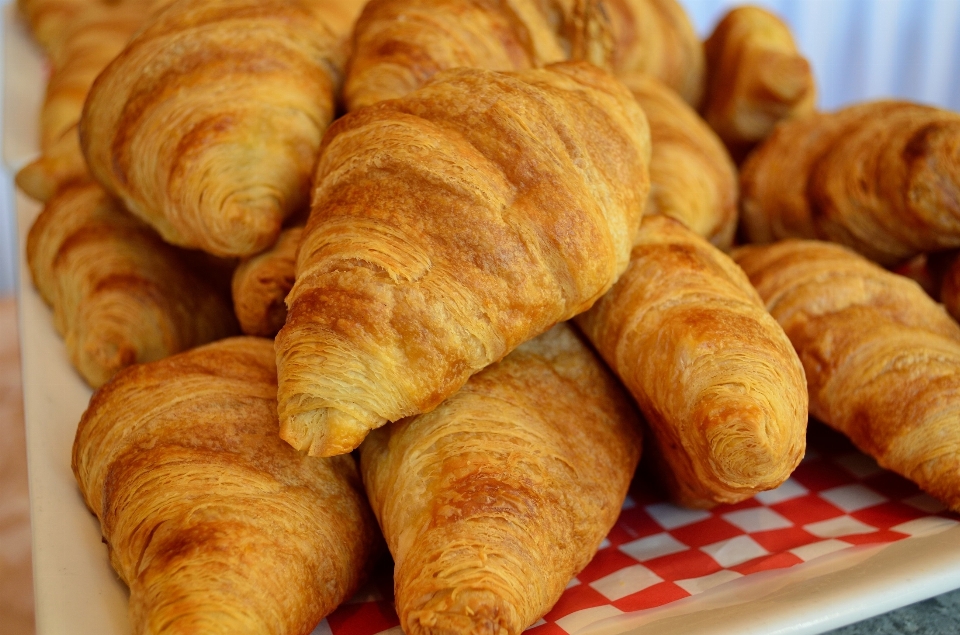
x=692, y=178
x=261, y=284
x=399, y=45
x=448, y=227
x=756, y=78
x=120, y=295
x=656, y=37
x=882, y=359
x=214, y=523
x=881, y=177
x=89, y=43
x=713, y=373
x=491, y=503
x=208, y=124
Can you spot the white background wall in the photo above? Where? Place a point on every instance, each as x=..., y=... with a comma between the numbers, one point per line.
x=860, y=49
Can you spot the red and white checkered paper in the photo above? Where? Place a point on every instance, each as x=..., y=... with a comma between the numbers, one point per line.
x=658, y=552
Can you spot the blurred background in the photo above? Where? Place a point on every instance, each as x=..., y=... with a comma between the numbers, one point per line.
x=860, y=49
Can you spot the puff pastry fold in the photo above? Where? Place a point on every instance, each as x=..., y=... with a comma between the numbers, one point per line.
x=260, y=285
x=491, y=503
x=882, y=359
x=120, y=295
x=208, y=124
x=214, y=523
x=448, y=227
x=714, y=375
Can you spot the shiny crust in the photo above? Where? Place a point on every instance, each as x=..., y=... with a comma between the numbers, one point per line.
x=756, y=78
x=89, y=43
x=399, y=45
x=656, y=37
x=882, y=178
x=208, y=124
x=448, y=227
x=713, y=373
x=120, y=295
x=492, y=502
x=215, y=524
x=882, y=359
x=261, y=284
x=692, y=178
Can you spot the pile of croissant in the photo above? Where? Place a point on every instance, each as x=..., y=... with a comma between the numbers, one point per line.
x=506, y=264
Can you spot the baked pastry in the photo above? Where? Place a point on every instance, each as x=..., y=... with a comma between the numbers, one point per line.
x=713, y=373
x=881, y=177
x=48, y=19
x=448, y=227
x=692, y=178
x=214, y=523
x=208, y=124
x=882, y=359
x=261, y=284
x=656, y=37
x=491, y=503
x=120, y=295
x=89, y=42
x=399, y=45
x=756, y=78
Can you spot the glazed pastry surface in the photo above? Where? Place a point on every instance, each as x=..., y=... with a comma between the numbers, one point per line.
x=882, y=359
x=208, y=124
x=448, y=227
x=399, y=45
x=214, y=523
x=756, y=78
x=692, y=178
x=714, y=375
x=120, y=295
x=491, y=503
x=261, y=284
x=881, y=177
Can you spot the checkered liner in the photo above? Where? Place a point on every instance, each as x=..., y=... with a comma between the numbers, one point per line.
x=658, y=553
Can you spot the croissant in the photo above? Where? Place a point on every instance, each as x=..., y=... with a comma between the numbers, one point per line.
x=692, y=178
x=261, y=283
x=713, y=373
x=48, y=19
x=880, y=177
x=120, y=295
x=882, y=359
x=399, y=45
x=942, y=273
x=756, y=78
x=448, y=227
x=207, y=125
x=656, y=37
x=89, y=43
x=491, y=503
x=214, y=523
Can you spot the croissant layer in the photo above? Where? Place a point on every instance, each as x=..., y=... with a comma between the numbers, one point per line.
x=492, y=502
x=214, y=523
x=882, y=359
x=713, y=373
x=448, y=227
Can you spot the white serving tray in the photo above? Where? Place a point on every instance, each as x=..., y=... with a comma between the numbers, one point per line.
x=77, y=593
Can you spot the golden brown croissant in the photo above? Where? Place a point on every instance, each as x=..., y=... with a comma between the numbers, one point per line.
x=656, y=37
x=756, y=78
x=448, y=227
x=491, y=503
x=882, y=359
x=713, y=373
x=120, y=295
x=208, y=124
x=261, y=284
x=692, y=178
x=214, y=523
x=881, y=177
x=90, y=42
x=48, y=19
x=399, y=45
